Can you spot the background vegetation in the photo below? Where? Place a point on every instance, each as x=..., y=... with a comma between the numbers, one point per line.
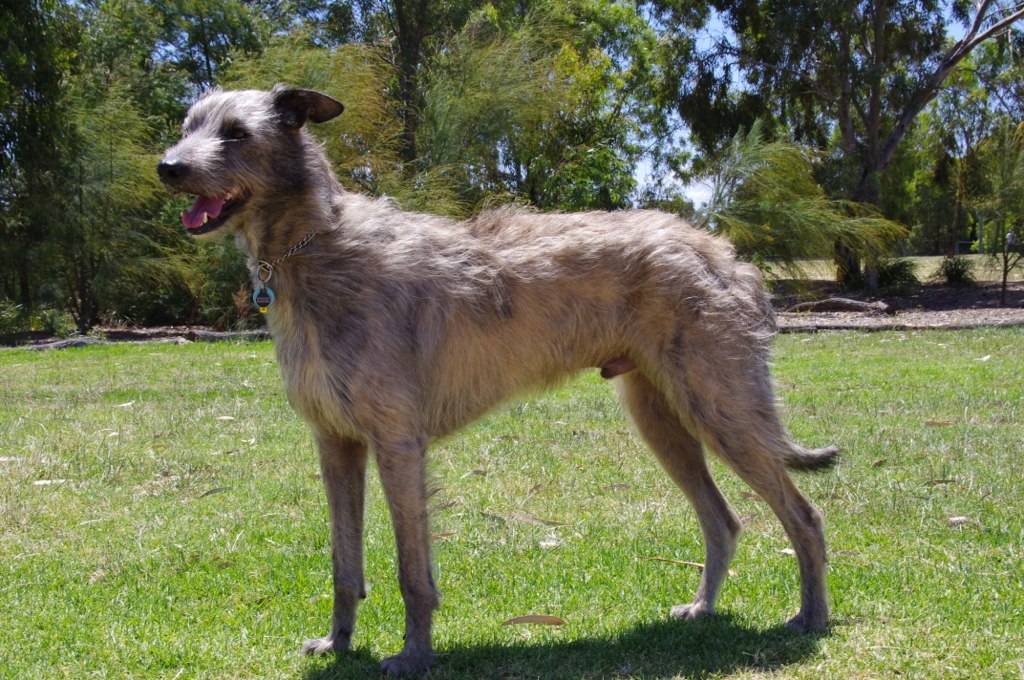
x=853, y=129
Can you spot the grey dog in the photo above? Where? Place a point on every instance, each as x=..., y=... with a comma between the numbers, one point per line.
x=395, y=328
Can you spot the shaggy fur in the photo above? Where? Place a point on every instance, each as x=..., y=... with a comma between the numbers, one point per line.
x=395, y=328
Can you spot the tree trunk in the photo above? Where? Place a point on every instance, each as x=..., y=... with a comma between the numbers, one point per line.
x=410, y=20
x=952, y=247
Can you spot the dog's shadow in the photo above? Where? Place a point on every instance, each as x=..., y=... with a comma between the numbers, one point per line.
x=661, y=649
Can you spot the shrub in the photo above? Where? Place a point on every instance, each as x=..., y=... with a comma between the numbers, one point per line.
x=956, y=270
x=897, y=275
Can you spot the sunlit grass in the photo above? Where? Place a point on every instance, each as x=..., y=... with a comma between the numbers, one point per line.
x=985, y=268
x=161, y=516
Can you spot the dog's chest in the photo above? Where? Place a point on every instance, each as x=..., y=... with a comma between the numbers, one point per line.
x=319, y=385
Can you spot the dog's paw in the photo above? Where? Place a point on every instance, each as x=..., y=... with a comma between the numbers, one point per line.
x=691, y=612
x=807, y=623
x=407, y=662
x=325, y=645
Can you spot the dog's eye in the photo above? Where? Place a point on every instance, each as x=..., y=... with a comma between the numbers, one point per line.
x=236, y=133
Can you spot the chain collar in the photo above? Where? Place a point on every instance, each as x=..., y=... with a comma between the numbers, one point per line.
x=264, y=295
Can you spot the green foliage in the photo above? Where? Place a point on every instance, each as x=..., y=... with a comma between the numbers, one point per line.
x=204, y=35
x=957, y=270
x=765, y=199
x=538, y=109
x=897, y=275
x=546, y=108
x=456, y=105
x=1000, y=206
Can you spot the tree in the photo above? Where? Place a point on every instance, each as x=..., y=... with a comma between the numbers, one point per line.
x=861, y=69
x=544, y=108
x=37, y=50
x=765, y=199
x=405, y=34
x=1000, y=209
x=547, y=108
x=202, y=36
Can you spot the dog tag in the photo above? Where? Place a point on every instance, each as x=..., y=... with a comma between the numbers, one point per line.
x=263, y=297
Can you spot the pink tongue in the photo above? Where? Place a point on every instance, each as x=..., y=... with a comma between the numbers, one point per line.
x=204, y=205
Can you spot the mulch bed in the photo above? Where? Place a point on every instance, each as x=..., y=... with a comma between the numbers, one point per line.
x=932, y=306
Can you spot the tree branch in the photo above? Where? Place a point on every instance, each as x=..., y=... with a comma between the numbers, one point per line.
x=931, y=87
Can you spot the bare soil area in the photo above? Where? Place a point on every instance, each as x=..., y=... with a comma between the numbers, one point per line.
x=933, y=305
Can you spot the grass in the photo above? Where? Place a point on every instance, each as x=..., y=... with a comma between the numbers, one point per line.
x=985, y=268
x=181, y=530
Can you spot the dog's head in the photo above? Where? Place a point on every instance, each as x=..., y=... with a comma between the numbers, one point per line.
x=237, y=144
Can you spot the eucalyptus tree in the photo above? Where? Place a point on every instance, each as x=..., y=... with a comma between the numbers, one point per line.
x=1000, y=206
x=854, y=71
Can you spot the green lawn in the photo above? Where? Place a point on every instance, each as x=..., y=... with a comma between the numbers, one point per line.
x=985, y=268
x=161, y=517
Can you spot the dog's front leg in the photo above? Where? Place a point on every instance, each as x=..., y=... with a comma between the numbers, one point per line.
x=343, y=469
x=403, y=475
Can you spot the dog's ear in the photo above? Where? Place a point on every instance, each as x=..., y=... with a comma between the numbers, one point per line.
x=295, y=107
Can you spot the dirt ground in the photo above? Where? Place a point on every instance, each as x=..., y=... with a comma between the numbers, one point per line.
x=932, y=306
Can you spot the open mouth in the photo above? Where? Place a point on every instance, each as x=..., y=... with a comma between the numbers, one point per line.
x=210, y=212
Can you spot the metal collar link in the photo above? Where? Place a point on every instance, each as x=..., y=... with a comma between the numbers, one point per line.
x=264, y=295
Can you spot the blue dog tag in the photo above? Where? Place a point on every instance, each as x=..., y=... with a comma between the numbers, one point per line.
x=263, y=297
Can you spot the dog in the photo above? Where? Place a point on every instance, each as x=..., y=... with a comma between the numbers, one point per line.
x=394, y=328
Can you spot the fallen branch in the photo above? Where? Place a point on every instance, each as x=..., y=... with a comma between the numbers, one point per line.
x=843, y=305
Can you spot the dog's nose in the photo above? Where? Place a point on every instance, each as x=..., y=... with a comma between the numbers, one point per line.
x=171, y=171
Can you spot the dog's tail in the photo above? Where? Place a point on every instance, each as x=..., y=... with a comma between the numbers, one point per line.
x=810, y=460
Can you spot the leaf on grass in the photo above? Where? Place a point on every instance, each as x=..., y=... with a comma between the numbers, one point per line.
x=962, y=521
x=443, y=535
x=537, y=521
x=126, y=404
x=548, y=545
x=683, y=563
x=48, y=482
x=984, y=358
x=226, y=418
x=97, y=575
x=219, y=489
x=880, y=462
x=542, y=619
x=787, y=551
x=474, y=473
x=939, y=423
x=497, y=519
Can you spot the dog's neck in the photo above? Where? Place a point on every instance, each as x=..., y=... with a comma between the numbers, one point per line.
x=275, y=225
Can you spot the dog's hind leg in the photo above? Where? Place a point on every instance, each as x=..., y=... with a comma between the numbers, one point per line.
x=737, y=418
x=682, y=457
x=403, y=474
x=343, y=469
